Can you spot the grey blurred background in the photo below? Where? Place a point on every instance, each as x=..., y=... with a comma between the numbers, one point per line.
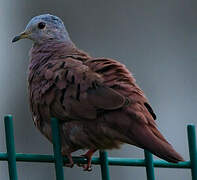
x=156, y=39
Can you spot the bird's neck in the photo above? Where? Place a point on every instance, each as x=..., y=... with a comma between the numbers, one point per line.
x=42, y=53
x=52, y=47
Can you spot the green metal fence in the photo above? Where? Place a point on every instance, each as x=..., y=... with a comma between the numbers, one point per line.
x=103, y=160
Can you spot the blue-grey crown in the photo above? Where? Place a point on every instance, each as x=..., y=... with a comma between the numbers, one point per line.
x=56, y=21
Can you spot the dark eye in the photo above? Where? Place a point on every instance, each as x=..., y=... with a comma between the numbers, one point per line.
x=41, y=25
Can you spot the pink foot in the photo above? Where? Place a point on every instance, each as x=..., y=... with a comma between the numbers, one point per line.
x=88, y=156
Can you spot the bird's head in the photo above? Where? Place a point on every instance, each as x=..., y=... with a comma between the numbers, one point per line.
x=44, y=28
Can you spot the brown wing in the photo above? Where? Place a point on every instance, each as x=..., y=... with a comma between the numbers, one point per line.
x=76, y=92
x=136, y=120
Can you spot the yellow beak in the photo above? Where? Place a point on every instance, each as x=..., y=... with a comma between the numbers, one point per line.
x=22, y=35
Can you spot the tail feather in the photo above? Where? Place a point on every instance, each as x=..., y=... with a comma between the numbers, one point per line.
x=152, y=140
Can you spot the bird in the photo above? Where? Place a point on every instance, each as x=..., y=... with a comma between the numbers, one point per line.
x=96, y=100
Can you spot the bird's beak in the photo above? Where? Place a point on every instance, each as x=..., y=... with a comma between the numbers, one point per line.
x=22, y=35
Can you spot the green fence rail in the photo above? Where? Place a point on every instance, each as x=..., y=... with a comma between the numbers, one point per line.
x=103, y=160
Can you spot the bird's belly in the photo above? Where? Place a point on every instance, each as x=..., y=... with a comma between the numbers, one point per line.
x=89, y=135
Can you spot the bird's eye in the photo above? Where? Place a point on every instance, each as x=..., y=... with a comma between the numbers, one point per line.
x=41, y=25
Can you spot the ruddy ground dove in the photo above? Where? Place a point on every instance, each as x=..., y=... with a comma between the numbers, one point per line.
x=97, y=101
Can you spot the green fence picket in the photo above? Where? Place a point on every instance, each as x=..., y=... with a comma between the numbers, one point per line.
x=57, y=149
x=104, y=165
x=149, y=165
x=11, y=154
x=192, y=150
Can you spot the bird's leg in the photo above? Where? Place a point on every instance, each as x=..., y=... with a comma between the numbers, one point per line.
x=71, y=163
x=88, y=156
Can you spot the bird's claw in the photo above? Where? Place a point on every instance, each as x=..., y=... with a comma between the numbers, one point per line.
x=87, y=167
x=70, y=165
x=80, y=165
x=88, y=156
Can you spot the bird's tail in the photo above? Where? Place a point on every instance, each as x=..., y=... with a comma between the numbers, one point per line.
x=151, y=139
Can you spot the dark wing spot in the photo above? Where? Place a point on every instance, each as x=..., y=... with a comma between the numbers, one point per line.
x=66, y=73
x=62, y=97
x=148, y=107
x=94, y=84
x=98, y=60
x=106, y=68
x=73, y=79
x=56, y=78
x=84, y=76
x=62, y=65
x=78, y=92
